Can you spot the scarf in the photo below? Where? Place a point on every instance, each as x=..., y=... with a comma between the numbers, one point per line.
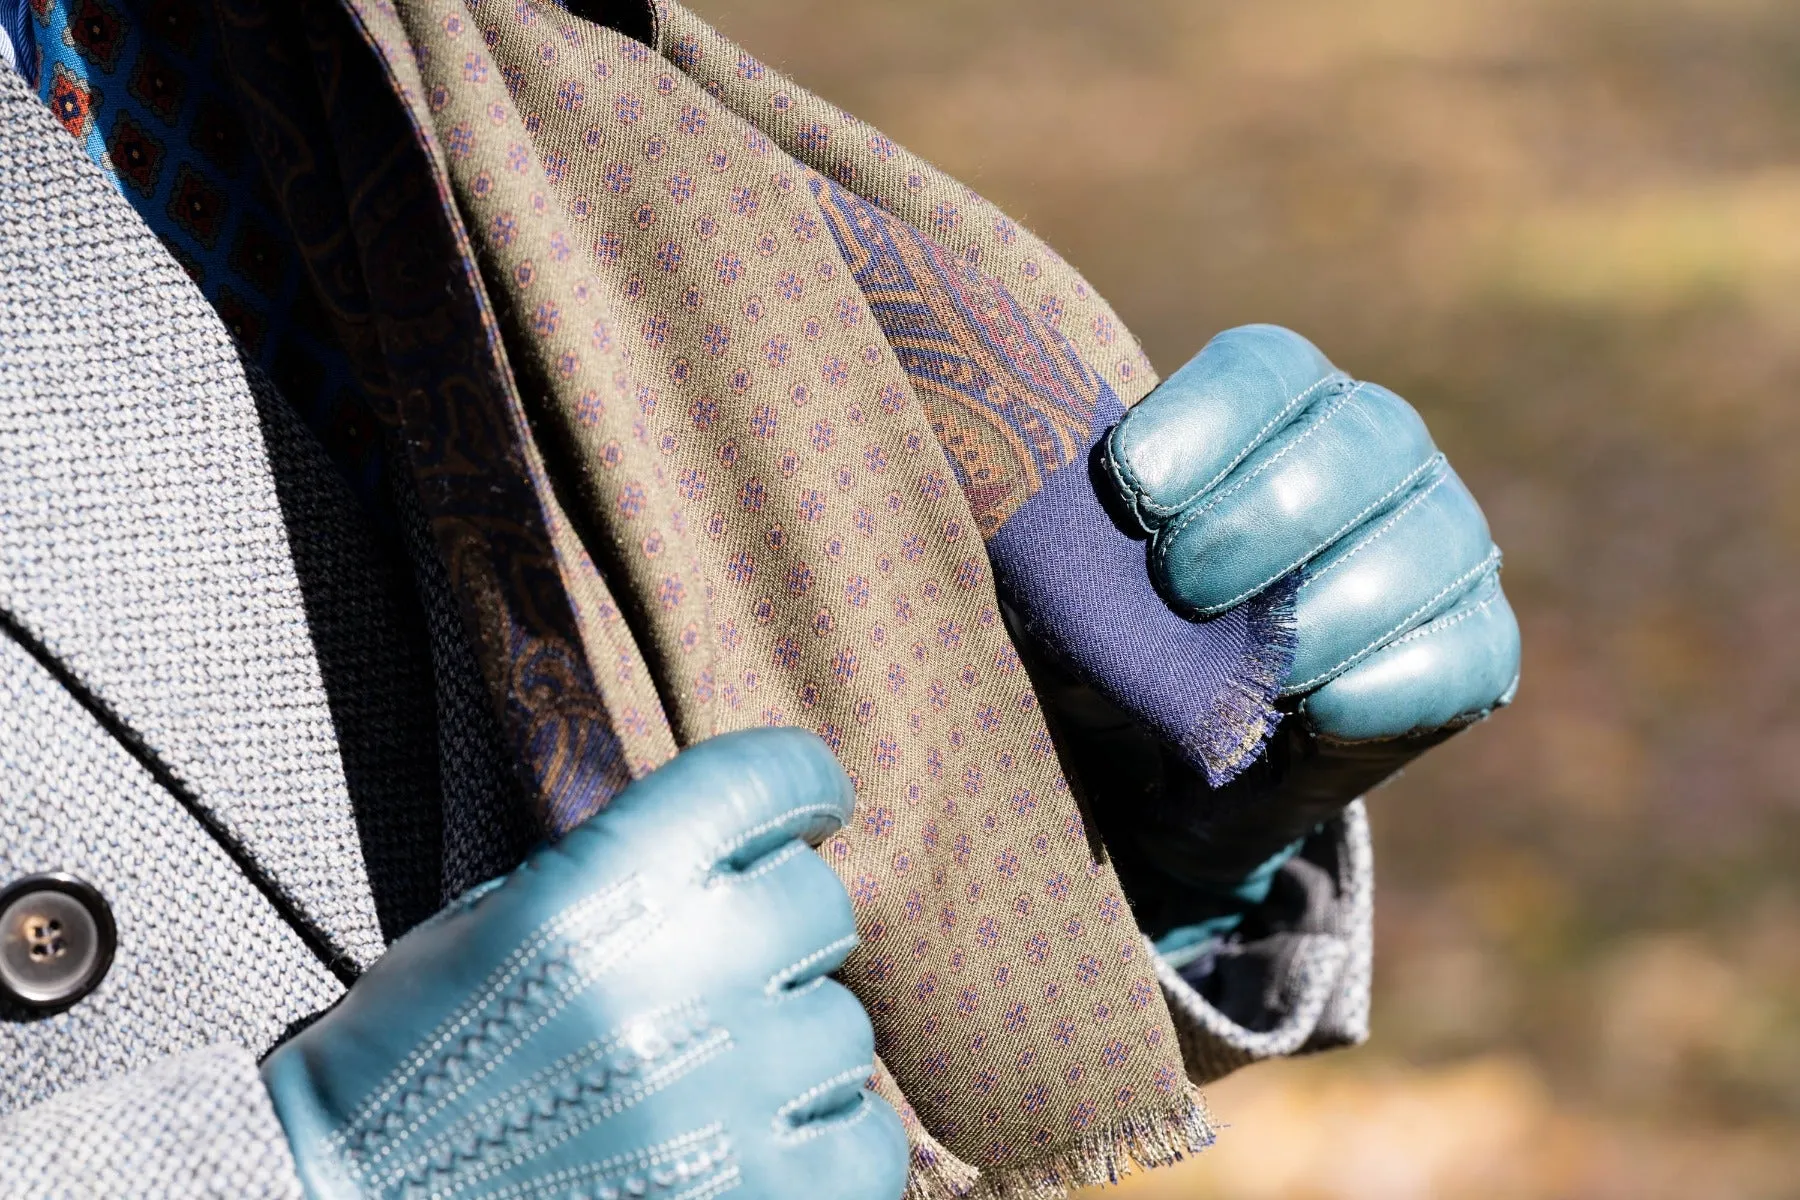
x=724, y=410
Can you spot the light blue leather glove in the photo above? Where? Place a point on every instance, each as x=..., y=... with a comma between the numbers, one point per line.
x=1259, y=465
x=640, y=1010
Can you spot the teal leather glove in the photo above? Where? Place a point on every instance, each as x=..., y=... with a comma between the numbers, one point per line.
x=640, y=1010
x=1260, y=465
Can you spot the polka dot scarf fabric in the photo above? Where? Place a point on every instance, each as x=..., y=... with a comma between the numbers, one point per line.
x=754, y=468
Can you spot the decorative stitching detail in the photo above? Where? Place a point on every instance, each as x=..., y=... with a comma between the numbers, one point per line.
x=1300, y=400
x=578, y=970
x=1451, y=619
x=1319, y=422
x=572, y=917
x=785, y=854
x=858, y=1075
x=788, y=1134
x=1346, y=527
x=818, y=1129
x=1394, y=519
x=557, y=1183
x=578, y=1110
x=1490, y=562
x=780, y=979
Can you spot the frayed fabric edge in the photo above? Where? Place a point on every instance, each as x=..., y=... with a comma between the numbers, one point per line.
x=1146, y=1140
x=1240, y=721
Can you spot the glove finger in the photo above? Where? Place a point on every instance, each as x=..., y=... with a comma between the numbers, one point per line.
x=1292, y=499
x=1397, y=570
x=718, y=805
x=820, y=1051
x=777, y=926
x=1451, y=672
x=853, y=1146
x=1186, y=436
x=862, y=1155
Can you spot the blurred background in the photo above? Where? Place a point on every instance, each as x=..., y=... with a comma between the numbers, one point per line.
x=1569, y=232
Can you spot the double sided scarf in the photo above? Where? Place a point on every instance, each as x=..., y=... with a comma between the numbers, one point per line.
x=724, y=410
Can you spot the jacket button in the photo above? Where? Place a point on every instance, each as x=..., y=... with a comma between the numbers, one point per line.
x=56, y=940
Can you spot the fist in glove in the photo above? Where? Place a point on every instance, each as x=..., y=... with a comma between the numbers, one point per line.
x=1261, y=466
x=640, y=1010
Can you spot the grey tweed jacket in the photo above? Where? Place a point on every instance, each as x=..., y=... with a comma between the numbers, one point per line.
x=255, y=725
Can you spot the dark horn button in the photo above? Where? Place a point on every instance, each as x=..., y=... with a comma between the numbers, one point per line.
x=56, y=940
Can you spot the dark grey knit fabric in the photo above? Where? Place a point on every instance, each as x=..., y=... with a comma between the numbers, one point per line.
x=195, y=1127
x=1302, y=987
x=485, y=819
x=369, y=636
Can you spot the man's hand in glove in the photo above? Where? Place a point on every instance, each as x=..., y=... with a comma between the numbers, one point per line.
x=1259, y=465
x=641, y=1010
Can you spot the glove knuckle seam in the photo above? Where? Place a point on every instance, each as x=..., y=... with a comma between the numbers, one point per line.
x=783, y=1122
x=778, y=981
x=1412, y=478
x=1180, y=526
x=1487, y=564
x=1447, y=621
x=1299, y=400
x=772, y=862
x=1385, y=528
x=732, y=846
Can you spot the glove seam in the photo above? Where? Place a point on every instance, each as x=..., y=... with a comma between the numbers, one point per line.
x=1174, y=532
x=1379, y=532
x=725, y=851
x=1299, y=400
x=1411, y=478
x=1483, y=567
x=813, y=1129
x=779, y=979
x=772, y=862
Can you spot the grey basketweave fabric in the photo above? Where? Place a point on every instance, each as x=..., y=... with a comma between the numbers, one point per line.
x=196, y=1125
x=258, y=728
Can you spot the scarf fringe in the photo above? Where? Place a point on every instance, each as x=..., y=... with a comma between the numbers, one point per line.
x=1147, y=1139
x=1244, y=717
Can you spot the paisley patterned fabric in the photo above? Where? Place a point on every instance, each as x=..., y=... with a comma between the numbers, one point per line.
x=698, y=457
x=1008, y=398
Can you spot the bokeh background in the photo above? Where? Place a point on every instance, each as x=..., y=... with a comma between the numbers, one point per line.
x=1569, y=232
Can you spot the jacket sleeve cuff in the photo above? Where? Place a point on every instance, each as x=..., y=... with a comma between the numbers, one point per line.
x=196, y=1124
x=1302, y=985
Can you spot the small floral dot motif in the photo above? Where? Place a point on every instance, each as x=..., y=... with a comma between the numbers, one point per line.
x=98, y=33
x=72, y=101
x=835, y=552
x=137, y=156
x=198, y=206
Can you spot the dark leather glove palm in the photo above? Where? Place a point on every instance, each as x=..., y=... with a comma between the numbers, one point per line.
x=1259, y=465
x=640, y=1010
